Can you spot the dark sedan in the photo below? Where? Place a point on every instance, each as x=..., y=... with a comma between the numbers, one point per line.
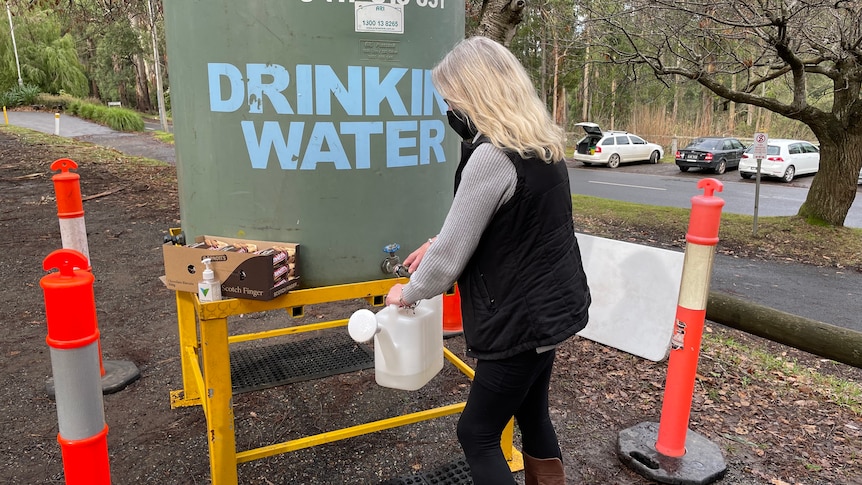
x=710, y=153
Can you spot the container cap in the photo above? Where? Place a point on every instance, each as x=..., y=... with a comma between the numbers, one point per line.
x=362, y=325
x=208, y=273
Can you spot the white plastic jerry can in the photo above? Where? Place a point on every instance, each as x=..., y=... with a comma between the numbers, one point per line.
x=408, y=342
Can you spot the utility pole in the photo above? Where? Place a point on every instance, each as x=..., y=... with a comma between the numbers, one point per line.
x=159, y=92
x=14, y=45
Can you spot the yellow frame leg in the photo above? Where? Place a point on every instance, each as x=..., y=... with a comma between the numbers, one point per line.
x=189, y=395
x=513, y=456
x=218, y=405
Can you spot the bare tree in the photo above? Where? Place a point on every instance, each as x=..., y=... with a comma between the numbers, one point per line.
x=499, y=19
x=808, y=52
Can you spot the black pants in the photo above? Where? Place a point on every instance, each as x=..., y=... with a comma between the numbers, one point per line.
x=517, y=386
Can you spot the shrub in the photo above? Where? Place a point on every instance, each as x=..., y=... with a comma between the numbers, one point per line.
x=122, y=119
x=100, y=113
x=20, y=96
x=73, y=107
x=28, y=94
x=60, y=102
x=87, y=110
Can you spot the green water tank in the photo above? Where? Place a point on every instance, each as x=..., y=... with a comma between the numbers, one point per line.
x=313, y=122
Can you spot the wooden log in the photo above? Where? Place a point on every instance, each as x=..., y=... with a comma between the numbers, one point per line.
x=822, y=339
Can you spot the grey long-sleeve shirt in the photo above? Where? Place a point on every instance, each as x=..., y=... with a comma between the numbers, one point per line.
x=487, y=182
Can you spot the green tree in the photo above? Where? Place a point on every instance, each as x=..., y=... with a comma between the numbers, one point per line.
x=48, y=57
x=116, y=46
x=8, y=70
x=550, y=50
x=113, y=65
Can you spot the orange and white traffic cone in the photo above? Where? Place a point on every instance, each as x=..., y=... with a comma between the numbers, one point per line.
x=73, y=338
x=669, y=452
x=70, y=208
x=452, y=313
x=116, y=374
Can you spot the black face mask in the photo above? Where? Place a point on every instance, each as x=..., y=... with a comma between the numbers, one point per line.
x=461, y=124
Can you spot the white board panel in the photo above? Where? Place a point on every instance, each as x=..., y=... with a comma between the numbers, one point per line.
x=635, y=291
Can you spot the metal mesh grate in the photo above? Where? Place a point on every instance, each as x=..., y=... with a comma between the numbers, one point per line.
x=263, y=367
x=455, y=473
x=452, y=473
x=411, y=480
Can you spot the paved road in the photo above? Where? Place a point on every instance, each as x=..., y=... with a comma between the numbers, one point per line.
x=823, y=294
x=137, y=144
x=665, y=185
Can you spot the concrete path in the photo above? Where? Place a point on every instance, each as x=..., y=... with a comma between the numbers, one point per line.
x=139, y=144
x=46, y=122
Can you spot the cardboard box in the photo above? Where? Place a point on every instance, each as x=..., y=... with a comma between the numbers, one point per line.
x=242, y=274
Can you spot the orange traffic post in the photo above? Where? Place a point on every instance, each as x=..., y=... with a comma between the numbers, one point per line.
x=73, y=338
x=669, y=452
x=452, y=323
x=116, y=374
x=70, y=207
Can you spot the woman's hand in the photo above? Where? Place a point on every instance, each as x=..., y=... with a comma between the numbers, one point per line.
x=394, y=296
x=412, y=261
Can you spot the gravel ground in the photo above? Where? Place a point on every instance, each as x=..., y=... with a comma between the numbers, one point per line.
x=773, y=419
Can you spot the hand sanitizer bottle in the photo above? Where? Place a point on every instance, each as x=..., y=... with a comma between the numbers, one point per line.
x=210, y=288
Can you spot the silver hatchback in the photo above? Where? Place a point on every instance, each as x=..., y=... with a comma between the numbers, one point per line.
x=611, y=148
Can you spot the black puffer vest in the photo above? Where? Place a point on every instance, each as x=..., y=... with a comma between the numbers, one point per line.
x=524, y=286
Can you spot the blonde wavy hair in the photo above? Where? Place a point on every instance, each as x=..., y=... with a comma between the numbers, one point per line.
x=485, y=81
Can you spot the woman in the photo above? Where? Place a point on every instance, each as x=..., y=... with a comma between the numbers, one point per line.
x=509, y=241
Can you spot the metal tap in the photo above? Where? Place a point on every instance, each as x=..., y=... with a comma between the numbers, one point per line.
x=392, y=263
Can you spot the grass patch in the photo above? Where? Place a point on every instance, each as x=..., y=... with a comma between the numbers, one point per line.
x=164, y=137
x=61, y=147
x=758, y=364
x=782, y=238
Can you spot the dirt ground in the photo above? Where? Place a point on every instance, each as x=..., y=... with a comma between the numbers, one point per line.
x=774, y=424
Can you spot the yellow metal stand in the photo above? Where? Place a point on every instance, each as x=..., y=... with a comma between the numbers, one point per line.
x=205, y=358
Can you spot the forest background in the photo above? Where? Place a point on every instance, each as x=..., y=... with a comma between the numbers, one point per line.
x=108, y=51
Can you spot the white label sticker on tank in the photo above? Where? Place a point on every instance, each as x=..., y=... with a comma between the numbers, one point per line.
x=379, y=17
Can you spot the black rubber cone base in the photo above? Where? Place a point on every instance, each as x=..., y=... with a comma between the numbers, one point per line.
x=118, y=375
x=702, y=463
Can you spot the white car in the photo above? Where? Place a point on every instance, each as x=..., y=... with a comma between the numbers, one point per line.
x=611, y=148
x=785, y=159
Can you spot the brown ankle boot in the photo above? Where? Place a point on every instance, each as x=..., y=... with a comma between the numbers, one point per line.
x=543, y=471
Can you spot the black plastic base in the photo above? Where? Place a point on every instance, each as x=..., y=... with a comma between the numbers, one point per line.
x=118, y=375
x=702, y=463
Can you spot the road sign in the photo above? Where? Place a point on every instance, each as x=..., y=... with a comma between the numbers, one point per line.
x=760, y=144
x=761, y=141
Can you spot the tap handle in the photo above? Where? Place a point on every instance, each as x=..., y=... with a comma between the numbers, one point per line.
x=391, y=249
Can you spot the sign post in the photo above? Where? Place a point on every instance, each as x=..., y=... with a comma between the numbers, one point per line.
x=761, y=141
